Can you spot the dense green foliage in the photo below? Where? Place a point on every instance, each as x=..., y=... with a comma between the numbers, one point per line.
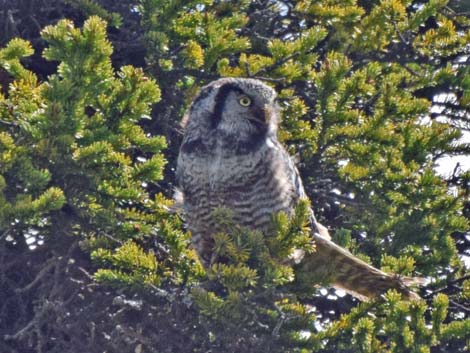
x=373, y=93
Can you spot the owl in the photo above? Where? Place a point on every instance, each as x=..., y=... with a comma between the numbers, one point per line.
x=230, y=158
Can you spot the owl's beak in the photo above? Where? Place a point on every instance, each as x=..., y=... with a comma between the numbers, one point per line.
x=260, y=115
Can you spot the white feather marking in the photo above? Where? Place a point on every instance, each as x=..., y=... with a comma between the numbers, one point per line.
x=270, y=143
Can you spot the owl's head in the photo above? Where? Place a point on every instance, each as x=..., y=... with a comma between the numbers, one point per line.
x=238, y=109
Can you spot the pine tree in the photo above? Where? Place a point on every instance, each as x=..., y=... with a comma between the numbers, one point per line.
x=373, y=94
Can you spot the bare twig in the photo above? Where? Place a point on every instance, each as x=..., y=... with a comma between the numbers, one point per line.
x=460, y=306
x=269, y=79
x=449, y=284
x=43, y=272
x=85, y=272
x=47, y=305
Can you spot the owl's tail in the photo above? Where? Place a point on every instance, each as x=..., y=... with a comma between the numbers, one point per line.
x=332, y=264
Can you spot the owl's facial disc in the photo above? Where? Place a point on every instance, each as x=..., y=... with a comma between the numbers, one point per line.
x=241, y=109
x=237, y=109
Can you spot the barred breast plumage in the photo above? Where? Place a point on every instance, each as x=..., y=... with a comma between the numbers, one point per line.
x=230, y=157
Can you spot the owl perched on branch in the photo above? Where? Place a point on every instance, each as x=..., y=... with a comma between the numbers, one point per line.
x=231, y=158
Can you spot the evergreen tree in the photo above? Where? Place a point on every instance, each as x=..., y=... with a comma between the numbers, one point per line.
x=373, y=94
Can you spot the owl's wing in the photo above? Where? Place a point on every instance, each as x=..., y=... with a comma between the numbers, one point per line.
x=296, y=181
x=335, y=265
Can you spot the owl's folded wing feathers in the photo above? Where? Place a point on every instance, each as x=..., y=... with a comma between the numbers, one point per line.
x=332, y=264
x=337, y=266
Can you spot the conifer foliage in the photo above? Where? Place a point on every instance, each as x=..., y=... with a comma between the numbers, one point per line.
x=374, y=94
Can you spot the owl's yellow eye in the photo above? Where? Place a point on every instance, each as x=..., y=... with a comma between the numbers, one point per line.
x=244, y=101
